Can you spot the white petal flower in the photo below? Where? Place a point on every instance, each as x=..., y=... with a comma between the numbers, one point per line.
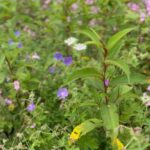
x=70, y=41
x=35, y=56
x=80, y=47
x=145, y=98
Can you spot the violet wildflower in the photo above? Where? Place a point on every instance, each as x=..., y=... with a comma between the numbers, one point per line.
x=106, y=82
x=17, y=33
x=16, y=85
x=51, y=70
x=10, y=42
x=89, y=2
x=31, y=107
x=133, y=6
x=19, y=45
x=58, y=56
x=142, y=17
x=67, y=60
x=62, y=93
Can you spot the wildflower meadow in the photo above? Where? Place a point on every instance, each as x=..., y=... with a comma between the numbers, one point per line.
x=75, y=75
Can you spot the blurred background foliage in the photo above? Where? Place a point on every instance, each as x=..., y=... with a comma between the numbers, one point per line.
x=43, y=27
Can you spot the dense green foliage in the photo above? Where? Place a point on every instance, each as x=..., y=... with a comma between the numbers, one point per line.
x=74, y=75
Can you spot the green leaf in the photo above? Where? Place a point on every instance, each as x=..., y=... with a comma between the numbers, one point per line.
x=110, y=117
x=115, y=50
x=2, y=77
x=135, y=78
x=83, y=73
x=122, y=65
x=92, y=35
x=89, y=125
x=2, y=58
x=123, y=89
x=115, y=38
x=92, y=104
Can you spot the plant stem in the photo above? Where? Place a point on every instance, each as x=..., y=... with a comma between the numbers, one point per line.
x=105, y=67
x=9, y=66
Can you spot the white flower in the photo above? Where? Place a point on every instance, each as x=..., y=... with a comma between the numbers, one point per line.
x=35, y=56
x=80, y=47
x=145, y=98
x=70, y=41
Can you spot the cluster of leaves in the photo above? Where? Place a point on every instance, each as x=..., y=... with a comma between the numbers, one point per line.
x=105, y=82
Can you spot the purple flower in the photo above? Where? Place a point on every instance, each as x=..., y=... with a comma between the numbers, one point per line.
x=51, y=70
x=106, y=82
x=8, y=101
x=142, y=17
x=31, y=107
x=10, y=42
x=17, y=33
x=58, y=56
x=89, y=2
x=67, y=60
x=62, y=93
x=19, y=45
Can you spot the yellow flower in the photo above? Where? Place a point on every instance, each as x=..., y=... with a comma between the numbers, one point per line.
x=119, y=144
x=75, y=135
x=11, y=107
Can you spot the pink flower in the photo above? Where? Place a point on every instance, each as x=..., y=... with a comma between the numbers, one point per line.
x=93, y=23
x=16, y=85
x=148, y=88
x=74, y=6
x=147, y=6
x=106, y=82
x=94, y=9
x=133, y=6
x=8, y=101
x=0, y=92
x=147, y=104
x=59, y=1
x=47, y=2
x=89, y=2
x=33, y=125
